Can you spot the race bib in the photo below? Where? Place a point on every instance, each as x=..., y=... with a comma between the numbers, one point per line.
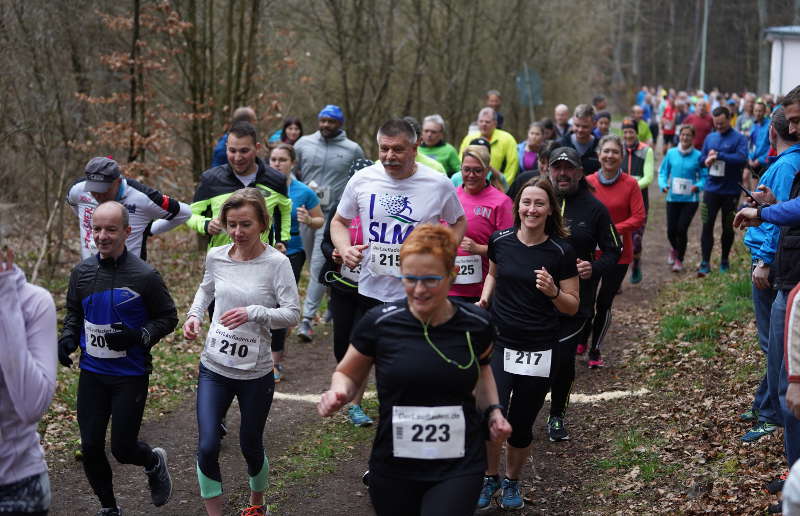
x=351, y=274
x=96, y=344
x=527, y=363
x=384, y=259
x=717, y=169
x=233, y=348
x=682, y=186
x=428, y=432
x=470, y=269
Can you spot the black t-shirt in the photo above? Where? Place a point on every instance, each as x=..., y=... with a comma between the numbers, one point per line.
x=525, y=319
x=409, y=372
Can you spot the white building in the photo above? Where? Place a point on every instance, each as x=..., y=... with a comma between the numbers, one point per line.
x=785, y=63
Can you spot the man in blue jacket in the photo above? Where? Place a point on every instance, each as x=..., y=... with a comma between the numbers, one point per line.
x=759, y=139
x=762, y=241
x=725, y=155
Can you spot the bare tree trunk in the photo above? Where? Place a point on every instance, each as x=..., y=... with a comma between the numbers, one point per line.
x=670, y=37
x=697, y=31
x=133, y=150
x=636, y=43
x=229, y=51
x=763, y=46
x=796, y=17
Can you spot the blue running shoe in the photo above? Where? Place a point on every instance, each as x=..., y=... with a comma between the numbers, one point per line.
x=490, y=487
x=704, y=270
x=511, y=497
x=358, y=417
x=724, y=267
x=758, y=431
x=750, y=415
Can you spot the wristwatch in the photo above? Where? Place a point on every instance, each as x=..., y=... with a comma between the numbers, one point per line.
x=758, y=212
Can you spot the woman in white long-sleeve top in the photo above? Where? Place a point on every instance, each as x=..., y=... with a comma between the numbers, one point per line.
x=27, y=382
x=253, y=288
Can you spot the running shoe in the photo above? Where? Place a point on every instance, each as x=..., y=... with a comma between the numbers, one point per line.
x=159, y=480
x=704, y=270
x=277, y=373
x=724, y=267
x=304, y=330
x=677, y=266
x=511, y=497
x=490, y=487
x=672, y=255
x=255, y=510
x=114, y=511
x=581, y=349
x=775, y=508
x=365, y=478
x=758, y=431
x=750, y=415
x=358, y=417
x=775, y=485
x=636, y=275
x=556, y=429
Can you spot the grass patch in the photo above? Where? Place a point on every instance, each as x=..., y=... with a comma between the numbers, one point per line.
x=633, y=452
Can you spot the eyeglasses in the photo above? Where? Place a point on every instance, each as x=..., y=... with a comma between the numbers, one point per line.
x=431, y=281
x=476, y=171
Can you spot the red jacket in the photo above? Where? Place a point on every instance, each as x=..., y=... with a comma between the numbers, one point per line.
x=703, y=125
x=625, y=205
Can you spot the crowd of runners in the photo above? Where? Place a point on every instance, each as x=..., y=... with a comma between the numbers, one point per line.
x=470, y=278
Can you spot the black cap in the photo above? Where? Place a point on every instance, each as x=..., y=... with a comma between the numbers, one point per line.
x=100, y=173
x=480, y=140
x=567, y=154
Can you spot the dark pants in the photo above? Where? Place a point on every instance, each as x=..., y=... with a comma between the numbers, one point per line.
x=529, y=393
x=279, y=336
x=713, y=203
x=679, y=218
x=214, y=395
x=29, y=496
x=609, y=286
x=400, y=497
x=767, y=407
x=344, y=313
x=122, y=399
x=563, y=373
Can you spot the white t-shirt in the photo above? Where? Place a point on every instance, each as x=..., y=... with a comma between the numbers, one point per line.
x=246, y=180
x=390, y=209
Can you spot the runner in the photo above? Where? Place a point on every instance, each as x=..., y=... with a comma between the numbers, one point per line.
x=487, y=210
x=725, y=155
x=150, y=211
x=590, y=228
x=504, y=146
x=581, y=138
x=681, y=177
x=434, y=146
x=527, y=150
x=305, y=210
x=668, y=125
x=638, y=161
x=27, y=384
x=532, y=280
x=431, y=353
x=253, y=288
x=323, y=160
x=343, y=305
x=620, y=193
x=118, y=308
x=602, y=122
x=423, y=158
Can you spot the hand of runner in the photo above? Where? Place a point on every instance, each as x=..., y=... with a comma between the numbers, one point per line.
x=793, y=399
x=747, y=217
x=330, y=402
x=545, y=284
x=762, y=194
x=468, y=244
x=8, y=260
x=712, y=157
x=761, y=277
x=123, y=337
x=303, y=216
x=280, y=247
x=352, y=256
x=337, y=258
x=483, y=303
x=191, y=328
x=584, y=269
x=234, y=318
x=499, y=427
x=214, y=227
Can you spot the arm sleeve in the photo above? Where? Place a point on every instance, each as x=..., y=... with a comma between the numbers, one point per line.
x=781, y=187
x=702, y=177
x=783, y=214
x=762, y=146
x=663, y=173
x=505, y=214
x=704, y=153
x=483, y=340
x=161, y=308
x=288, y=311
x=609, y=243
x=512, y=161
x=73, y=320
x=649, y=167
x=348, y=203
x=199, y=219
x=171, y=221
x=205, y=293
x=452, y=209
x=453, y=163
x=29, y=348
x=637, y=216
x=569, y=265
x=284, y=230
x=365, y=335
x=792, y=336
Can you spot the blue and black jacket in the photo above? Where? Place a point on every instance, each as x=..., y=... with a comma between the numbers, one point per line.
x=128, y=291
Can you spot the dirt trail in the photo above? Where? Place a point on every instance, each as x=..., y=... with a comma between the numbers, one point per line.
x=558, y=468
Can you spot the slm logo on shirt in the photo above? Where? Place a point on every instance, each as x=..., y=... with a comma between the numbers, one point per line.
x=396, y=207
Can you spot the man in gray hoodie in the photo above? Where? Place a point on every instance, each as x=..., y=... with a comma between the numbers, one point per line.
x=323, y=161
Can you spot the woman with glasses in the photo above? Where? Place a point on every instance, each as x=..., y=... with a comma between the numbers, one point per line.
x=533, y=279
x=487, y=210
x=431, y=353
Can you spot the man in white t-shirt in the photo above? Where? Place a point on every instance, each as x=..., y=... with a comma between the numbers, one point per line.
x=391, y=197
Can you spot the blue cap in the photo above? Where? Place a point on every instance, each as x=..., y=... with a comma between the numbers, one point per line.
x=332, y=111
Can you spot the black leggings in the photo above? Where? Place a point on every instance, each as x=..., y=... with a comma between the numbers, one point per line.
x=401, y=497
x=563, y=373
x=279, y=336
x=122, y=399
x=713, y=203
x=679, y=218
x=529, y=393
x=609, y=286
x=214, y=395
x=344, y=313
